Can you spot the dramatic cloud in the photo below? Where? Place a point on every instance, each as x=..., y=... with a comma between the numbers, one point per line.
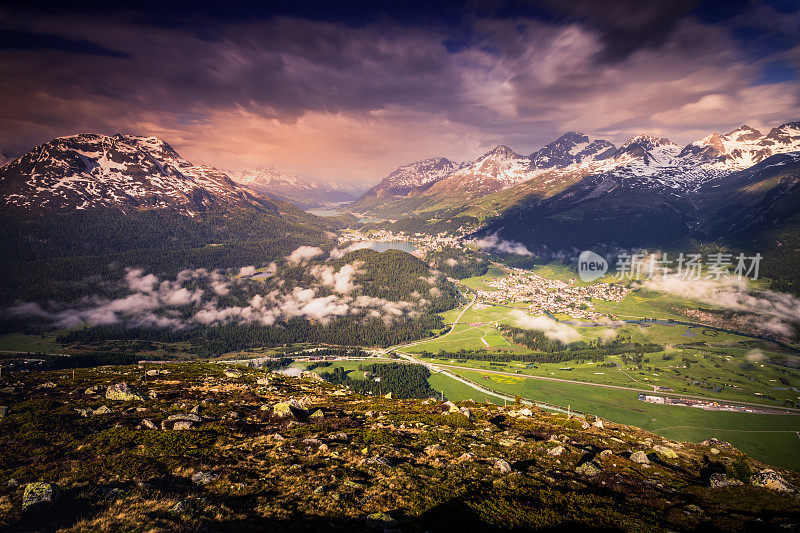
x=551, y=329
x=363, y=98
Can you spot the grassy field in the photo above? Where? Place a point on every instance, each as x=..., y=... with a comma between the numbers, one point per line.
x=457, y=391
x=770, y=438
x=18, y=342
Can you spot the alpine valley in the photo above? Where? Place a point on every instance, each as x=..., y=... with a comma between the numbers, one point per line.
x=736, y=189
x=189, y=351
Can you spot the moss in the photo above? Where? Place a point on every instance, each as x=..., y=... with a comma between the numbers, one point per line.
x=157, y=443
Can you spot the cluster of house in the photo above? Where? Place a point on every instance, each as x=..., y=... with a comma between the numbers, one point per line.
x=706, y=404
x=551, y=295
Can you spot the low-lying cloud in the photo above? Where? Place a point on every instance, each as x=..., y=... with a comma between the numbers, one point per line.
x=769, y=311
x=496, y=244
x=152, y=302
x=552, y=329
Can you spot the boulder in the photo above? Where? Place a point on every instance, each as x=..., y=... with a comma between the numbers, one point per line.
x=289, y=408
x=204, y=478
x=181, y=425
x=317, y=414
x=640, y=457
x=121, y=392
x=263, y=381
x=770, y=479
x=502, y=466
x=380, y=521
x=588, y=468
x=190, y=417
x=147, y=424
x=39, y=496
x=93, y=390
x=102, y=410
x=721, y=480
x=233, y=373
x=664, y=451
x=555, y=452
x=598, y=423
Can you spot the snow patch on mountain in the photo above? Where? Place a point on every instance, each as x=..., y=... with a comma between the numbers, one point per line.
x=126, y=172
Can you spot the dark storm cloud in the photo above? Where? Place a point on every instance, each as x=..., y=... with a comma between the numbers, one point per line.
x=355, y=93
x=626, y=25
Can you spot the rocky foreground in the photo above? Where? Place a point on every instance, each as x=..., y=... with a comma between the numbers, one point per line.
x=203, y=447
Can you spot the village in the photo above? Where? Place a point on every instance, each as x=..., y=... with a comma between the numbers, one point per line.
x=551, y=295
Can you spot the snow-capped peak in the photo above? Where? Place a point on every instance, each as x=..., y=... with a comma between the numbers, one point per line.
x=125, y=172
x=743, y=147
x=744, y=133
x=571, y=148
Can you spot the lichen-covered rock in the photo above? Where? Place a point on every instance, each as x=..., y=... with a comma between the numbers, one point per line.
x=589, y=468
x=555, y=452
x=204, y=478
x=719, y=480
x=233, y=373
x=502, y=466
x=668, y=453
x=770, y=479
x=289, y=408
x=102, y=410
x=640, y=457
x=190, y=417
x=39, y=496
x=380, y=521
x=121, y=392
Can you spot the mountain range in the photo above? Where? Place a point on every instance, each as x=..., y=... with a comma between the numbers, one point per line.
x=740, y=190
x=417, y=188
x=300, y=191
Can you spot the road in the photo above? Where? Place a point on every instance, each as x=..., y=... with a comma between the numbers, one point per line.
x=438, y=367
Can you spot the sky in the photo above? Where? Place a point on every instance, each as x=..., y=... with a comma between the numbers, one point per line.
x=349, y=91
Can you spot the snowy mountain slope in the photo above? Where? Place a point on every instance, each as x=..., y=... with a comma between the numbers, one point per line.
x=493, y=171
x=125, y=172
x=270, y=181
x=569, y=149
x=743, y=147
x=406, y=181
